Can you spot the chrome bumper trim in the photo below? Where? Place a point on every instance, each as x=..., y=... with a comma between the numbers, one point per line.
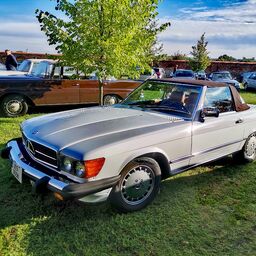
x=16, y=155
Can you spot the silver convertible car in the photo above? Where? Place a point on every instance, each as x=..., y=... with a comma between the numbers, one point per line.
x=122, y=152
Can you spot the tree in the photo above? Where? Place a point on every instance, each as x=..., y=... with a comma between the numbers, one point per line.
x=109, y=37
x=200, y=59
x=226, y=57
x=179, y=56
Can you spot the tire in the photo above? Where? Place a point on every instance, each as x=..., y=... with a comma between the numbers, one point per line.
x=109, y=100
x=139, y=184
x=13, y=106
x=248, y=153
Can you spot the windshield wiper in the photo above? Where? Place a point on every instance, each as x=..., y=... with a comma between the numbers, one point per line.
x=169, y=109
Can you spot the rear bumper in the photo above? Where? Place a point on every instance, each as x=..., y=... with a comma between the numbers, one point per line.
x=51, y=182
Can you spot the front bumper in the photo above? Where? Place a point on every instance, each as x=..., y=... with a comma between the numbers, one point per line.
x=51, y=182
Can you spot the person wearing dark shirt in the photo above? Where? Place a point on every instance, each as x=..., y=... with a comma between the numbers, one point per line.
x=10, y=62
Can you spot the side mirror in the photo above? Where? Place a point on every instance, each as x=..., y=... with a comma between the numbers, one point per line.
x=211, y=112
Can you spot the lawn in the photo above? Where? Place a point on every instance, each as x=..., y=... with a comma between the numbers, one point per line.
x=210, y=210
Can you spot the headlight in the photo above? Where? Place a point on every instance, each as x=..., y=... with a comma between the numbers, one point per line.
x=80, y=170
x=67, y=165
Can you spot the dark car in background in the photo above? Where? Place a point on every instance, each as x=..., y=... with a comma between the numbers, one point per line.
x=250, y=82
x=51, y=84
x=184, y=74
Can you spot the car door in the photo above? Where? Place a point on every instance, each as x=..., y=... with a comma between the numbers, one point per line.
x=217, y=136
x=63, y=89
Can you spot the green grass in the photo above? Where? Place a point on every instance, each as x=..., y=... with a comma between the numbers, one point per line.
x=210, y=210
x=249, y=97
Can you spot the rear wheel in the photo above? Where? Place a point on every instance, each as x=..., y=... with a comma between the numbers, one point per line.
x=109, y=100
x=248, y=153
x=13, y=106
x=138, y=186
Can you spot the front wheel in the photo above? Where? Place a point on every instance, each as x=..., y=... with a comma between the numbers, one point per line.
x=13, y=106
x=138, y=186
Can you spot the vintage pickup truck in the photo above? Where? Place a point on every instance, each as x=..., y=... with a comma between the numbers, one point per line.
x=122, y=152
x=54, y=85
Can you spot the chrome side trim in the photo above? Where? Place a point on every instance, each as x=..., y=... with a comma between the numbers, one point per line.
x=204, y=151
x=216, y=148
x=15, y=155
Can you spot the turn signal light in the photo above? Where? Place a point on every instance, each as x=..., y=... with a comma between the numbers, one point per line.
x=93, y=167
x=58, y=196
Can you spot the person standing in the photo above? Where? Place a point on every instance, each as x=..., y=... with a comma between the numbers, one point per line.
x=10, y=62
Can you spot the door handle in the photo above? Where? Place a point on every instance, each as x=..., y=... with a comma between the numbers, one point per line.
x=239, y=121
x=75, y=84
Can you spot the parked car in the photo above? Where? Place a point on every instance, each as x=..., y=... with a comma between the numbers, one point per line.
x=201, y=75
x=184, y=74
x=122, y=152
x=26, y=67
x=224, y=77
x=54, y=85
x=250, y=82
x=243, y=77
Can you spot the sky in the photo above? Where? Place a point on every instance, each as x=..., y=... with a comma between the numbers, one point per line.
x=230, y=26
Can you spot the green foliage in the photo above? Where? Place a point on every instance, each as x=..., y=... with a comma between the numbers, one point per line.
x=179, y=56
x=200, y=59
x=110, y=37
x=244, y=59
x=226, y=57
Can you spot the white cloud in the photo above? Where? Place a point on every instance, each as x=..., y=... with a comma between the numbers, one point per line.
x=230, y=30
x=23, y=35
x=237, y=39
x=236, y=12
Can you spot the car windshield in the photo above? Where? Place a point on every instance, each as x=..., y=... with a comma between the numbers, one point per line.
x=43, y=69
x=219, y=76
x=185, y=73
x=24, y=66
x=165, y=97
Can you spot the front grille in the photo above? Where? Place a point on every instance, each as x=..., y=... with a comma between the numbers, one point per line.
x=40, y=152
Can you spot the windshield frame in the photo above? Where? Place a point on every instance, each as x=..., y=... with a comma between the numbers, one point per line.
x=174, y=113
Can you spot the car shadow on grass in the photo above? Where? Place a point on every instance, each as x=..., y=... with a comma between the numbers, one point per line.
x=73, y=228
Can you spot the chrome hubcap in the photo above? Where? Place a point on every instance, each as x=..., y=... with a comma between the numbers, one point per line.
x=14, y=107
x=251, y=147
x=137, y=185
x=109, y=100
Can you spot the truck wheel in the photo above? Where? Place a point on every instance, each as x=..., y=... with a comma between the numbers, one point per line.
x=13, y=106
x=248, y=153
x=138, y=186
x=109, y=100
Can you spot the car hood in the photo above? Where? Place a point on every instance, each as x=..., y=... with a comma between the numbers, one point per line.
x=93, y=127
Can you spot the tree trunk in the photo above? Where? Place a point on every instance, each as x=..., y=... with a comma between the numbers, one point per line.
x=101, y=91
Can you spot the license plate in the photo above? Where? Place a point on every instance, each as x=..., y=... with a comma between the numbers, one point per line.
x=17, y=172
